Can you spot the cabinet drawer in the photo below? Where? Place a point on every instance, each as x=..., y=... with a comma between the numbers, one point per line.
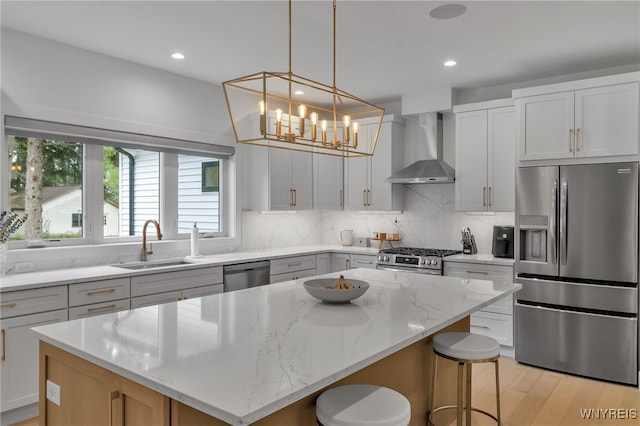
x=23, y=302
x=143, y=285
x=278, y=278
x=98, y=309
x=99, y=291
x=502, y=306
x=292, y=264
x=363, y=261
x=498, y=326
x=155, y=299
x=479, y=271
x=202, y=291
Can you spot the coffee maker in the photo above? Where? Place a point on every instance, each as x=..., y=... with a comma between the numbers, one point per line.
x=502, y=245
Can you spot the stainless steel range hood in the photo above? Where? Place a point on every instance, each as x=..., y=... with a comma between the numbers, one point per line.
x=428, y=131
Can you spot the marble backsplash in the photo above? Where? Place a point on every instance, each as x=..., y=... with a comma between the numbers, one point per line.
x=429, y=220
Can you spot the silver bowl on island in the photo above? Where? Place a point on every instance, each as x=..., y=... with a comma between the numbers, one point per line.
x=336, y=290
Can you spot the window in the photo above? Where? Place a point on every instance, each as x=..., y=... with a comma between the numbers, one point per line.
x=112, y=179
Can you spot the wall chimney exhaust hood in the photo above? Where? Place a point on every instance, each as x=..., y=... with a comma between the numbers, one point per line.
x=434, y=170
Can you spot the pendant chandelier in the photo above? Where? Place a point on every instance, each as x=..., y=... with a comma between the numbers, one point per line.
x=266, y=110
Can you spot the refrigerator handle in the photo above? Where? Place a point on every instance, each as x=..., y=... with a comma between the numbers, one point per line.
x=553, y=214
x=563, y=221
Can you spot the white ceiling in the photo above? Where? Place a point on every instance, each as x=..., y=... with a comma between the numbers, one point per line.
x=385, y=48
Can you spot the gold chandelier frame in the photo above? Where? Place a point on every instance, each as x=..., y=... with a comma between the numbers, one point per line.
x=336, y=120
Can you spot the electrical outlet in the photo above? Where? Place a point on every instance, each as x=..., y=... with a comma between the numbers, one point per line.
x=20, y=267
x=53, y=392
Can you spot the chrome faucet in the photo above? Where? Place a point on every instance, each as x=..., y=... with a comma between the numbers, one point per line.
x=143, y=255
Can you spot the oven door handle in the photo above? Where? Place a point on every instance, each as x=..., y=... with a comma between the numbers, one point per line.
x=411, y=270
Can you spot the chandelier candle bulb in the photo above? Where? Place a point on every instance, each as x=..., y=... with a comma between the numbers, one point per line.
x=314, y=127
x=278, y=122
x=263, y=116
x=355, y=134
x=324, y=132
x=302, y=112
x=347, y=123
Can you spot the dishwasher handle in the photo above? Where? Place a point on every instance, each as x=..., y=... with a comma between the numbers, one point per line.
x=243, y=267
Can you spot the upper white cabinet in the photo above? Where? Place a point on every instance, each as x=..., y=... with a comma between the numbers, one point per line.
x=290, y=180
x=365, y=177
x=582, y=119
x=485, y=156
x=328, y=182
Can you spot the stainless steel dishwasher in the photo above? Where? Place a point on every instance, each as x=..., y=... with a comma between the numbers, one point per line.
x=245, y=275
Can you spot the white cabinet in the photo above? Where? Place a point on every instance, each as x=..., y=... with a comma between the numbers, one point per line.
x=153, y=289
x=292, y=268
x=328, y=182
x=495, y=320
x=176, y=295
x=323, y=263
x=485, y=157
x=598, y=121
x=290, y=180
x=344, y=261
x=365, y=177
x=363, y=261
x=340, y=262
x=21, y=310
x=99, y=297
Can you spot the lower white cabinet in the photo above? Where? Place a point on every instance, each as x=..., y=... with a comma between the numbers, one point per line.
x=99, y=309
x=176, y=295
x=292, y=268
x=19, y=365
x=340, y=262
x=495, y=320
x=323, y=263
x=162, y=282
x=363, y=261
x=99, y=297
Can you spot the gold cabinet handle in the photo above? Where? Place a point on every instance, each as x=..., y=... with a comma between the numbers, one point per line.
x=4, y=344
x=480, y=326
x=94, y=293
x=478, y=272
x=290, y=197
x=368, y=197
x=8, y=305
x=484, y=196
x=489, y=196
x=294, y=264
x=570, y=140
x=295, y=197
x=364, y=197
x=101, y=308
x=116, y=411
x=577, y=139
x=341, y=200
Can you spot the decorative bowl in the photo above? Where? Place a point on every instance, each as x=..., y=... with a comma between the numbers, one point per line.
x=321, y=288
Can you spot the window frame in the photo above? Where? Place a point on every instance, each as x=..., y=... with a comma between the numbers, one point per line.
x=93, y=172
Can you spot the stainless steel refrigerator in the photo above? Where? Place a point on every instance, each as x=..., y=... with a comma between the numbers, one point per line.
x=576, y=236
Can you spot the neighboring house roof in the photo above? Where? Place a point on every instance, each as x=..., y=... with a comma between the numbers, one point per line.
x=48, y=193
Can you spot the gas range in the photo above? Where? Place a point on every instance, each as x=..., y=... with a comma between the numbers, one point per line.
x=411, y=259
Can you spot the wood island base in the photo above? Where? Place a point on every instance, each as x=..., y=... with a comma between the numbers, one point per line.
x=96, y=396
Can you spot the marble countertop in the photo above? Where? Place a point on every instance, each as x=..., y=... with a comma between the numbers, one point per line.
x=242, y=355
x=487, y=259
x=41, y=279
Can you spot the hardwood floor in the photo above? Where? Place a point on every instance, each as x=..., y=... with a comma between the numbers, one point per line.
x=536, y=397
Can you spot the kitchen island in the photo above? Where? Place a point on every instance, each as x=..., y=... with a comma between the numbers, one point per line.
x=259, y=355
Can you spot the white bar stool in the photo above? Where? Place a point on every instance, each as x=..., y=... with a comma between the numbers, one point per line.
x=362, y=405
x=465, y=349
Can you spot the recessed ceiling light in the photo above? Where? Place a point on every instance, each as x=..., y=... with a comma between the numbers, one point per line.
x=450, y=63
x=447, y=11
x=177, y=55
x=298, y=92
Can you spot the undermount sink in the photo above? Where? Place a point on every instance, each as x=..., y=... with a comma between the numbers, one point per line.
x=151, y=265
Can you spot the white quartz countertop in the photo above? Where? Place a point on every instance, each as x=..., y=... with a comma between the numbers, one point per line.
x=41, y=279
x=242, y=355
x=486, y=259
